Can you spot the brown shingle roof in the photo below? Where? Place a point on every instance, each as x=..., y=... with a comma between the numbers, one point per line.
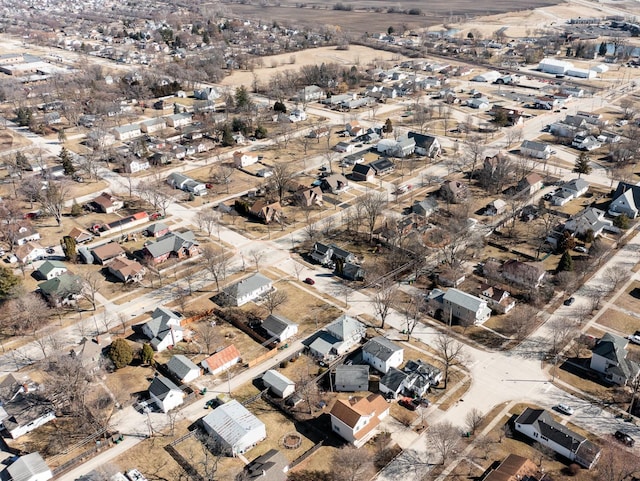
x=350, y=411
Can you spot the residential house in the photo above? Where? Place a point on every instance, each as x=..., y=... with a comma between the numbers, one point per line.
x=187, y=184
x=609, y=358
x=583, y=141
x=127, y=132
x=164, y=329
x=354, y=128
x=234, y=428
x=179, y=120
x=339, y=255
x=539, y=150
x=356, y=419
x=80, y=236
x=244, y=159
x=30, y=467
x=426, y=145
x=546, y=103
x=496, y=207
x=107, y=252
x=562, y=129
x=454, y=191
x=351, y=271
x=63, y=290
x=382, y=354
x=271, y=466
x=126, y=270
x=27, y=409
x=279, y=327
x=90, y=352
x=392, y=384
x=497, y=299
x=165, y=394
x=606, y=137
x=450, y=277
x=530, y=184
x=425, y=207
x=248, y=289
x=135, y=165
x=178, y=244
x=183, y=368
x=319, y=133
x=465, y=308
x=310, y=93
x=344, y=147
x=152, y=126
x=221, y=360
x=353, y=378
x=337, y=338
x=539, y=426
x=26, y=233
x=29, y=252
x=382, y=166
x=279, y=384
x=334, y=183
x=589, y=219
x=267, y=212
x=157, y=229
x=514, y=468
x=364, y=173
x=570, y=190
x=480, y=103
x=297, y=115
x=322, y=254
x=525, y=274
x=50, y=269
x=207, y=93
x=107, y=203
x=626, y=200
x=508, y=117
x=309, y=197
x=402, y=147
x=420, y=377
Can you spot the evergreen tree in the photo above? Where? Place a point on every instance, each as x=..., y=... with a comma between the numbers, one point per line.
x=24, y=115
x=242, y=100
x=9, y=283
x=280, y=107
x=65, y=159
x=68, y=244
x=388, y=126
x=227, y=136
x=76, y=209
x=261, y=132
x=566, y=263
x=120, y=353
x=602, y=51
x=147, y=354
x=621, y=222
x=582, y=164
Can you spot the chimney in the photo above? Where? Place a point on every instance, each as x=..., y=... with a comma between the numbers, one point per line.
x=25, y=387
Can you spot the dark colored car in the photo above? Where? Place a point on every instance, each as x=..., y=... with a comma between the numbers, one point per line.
x=569, y=301
x=309, y=281
x=407, y=403
x=624, y=438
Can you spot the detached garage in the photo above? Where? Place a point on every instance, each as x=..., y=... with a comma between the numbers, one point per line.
x=279, y=384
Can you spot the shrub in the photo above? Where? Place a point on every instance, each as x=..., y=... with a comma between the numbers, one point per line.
x=621, y=222
x=120, y=353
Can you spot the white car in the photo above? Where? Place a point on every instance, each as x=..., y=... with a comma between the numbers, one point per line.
x=564, y=409
x=581, y=249
x=634, y=338
x=135, y=475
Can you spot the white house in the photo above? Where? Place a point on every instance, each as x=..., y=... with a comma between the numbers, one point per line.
x=153, y=125
x=135, y=165
x=24, y=412
x=29, y=252
x=179, y=120
x=337, y=338
x=26, y=234
x=30, y=467
x=459, y=305
x=527, y=274
x=278, y=383
x=570, y=190
x=356, y=419
x=248, y=289
x=234, y=428
x=244, y=159
x=164, y=329
x=589, y=219
x=538, y=150
x=127, y=132
x=609, y=358
x=279, y=327
x=497, y=299
x=222, y=360
x=539, y=426
x=165, y=394
x=427, y=145
x=382, y=354
x=50, y=269
x=626, y=200
x=183, y=368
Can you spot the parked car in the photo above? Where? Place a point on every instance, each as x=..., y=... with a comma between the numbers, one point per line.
x=624, y=438
x=569, y=301
x=135, y=475
x=582, y=249
x=634, y=338
x=50, y=250
x=564, y=409
x=309, y=281
x=408, y=403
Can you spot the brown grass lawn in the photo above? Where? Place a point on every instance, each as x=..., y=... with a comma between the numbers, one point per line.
x=457, y=394
x=129, y=380
x=583, y=384
x=402, y=414
x=627, y=299
x=620, y=321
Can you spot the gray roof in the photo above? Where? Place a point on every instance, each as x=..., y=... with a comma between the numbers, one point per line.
x=48, y=266
x=161, y=386
x=533, y=145
x=341, y=254
x=393, y=379
x=171, y=242
x=349, y=375
x=231, y=422
x=381, y=347
x=270, y=466
x=248, y=285
x=157, y=227
x=551, y=429
x=323, y=343
x=25, y=467
x=423, y=368
x=276, y=380
x=345, y=327
x=180, y=366
x=277, y=324
x=462, y=299
x=623, y=187
x=576, y=185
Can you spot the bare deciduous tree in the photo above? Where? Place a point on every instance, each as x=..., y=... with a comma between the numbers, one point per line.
x=52, y=199
x=281, y=177
x=383, y=302
x=92, y=283
x=442, y=439
x=450, y=352
x=216, y=262
x=257, y=256
x=350, y=464
x=274, y=299
x=371, y=205
x=207, y=220
x=473, y=420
